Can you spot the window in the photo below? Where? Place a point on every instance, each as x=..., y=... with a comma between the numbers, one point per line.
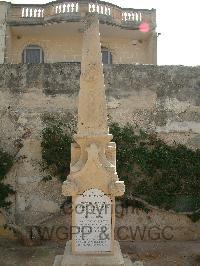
x=33, y=54
x=106, y=56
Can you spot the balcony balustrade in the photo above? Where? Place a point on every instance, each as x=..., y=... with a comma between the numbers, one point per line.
x=66, y=8
x=100, y=9
x=31, y=14
x=132, y=16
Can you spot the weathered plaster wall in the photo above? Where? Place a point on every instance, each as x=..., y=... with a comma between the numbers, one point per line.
x=127, y=51
x=3, y=14
x=163, y=99
x=67, y=48
x=63, y=49
x=152, y=49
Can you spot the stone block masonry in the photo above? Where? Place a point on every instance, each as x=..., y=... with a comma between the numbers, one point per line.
x=163, y=99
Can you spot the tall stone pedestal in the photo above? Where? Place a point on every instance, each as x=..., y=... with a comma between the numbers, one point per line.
x=93, y=182
x=68, y=259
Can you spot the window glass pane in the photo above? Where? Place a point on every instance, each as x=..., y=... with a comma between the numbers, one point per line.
x=33, y=56
x=111, y=61
x=105, y=57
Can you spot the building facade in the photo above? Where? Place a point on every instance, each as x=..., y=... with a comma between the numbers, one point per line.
x=53, y=32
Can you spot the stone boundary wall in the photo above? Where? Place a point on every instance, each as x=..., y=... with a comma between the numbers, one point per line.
x=163, y=99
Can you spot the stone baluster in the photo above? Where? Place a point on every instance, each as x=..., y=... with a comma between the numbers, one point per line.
x=109, y=11
x=106, y=10
x=26, y=13
x=126, y=16
x=39, y=13
x=137, y=17
x=140, y=16
x=64, y=8
x=97, y=8
x=131, y=16
x=30, y=12
x=23, y=13
x=72, y=7
x=68, y=8
x=93, y=8
x=77, y=7
x=101, y=9
x=35, y=13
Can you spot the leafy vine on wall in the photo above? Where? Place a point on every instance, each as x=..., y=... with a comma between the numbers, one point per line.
x=156, y=175
x=6, y=162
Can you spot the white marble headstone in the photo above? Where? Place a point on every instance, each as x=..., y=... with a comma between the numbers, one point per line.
x=93, y=225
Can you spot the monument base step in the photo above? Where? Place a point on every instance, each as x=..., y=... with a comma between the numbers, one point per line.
x=69, y=259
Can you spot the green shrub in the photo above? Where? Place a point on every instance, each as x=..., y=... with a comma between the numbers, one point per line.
x=6, y=162
x=56, y=150
x=162, y=175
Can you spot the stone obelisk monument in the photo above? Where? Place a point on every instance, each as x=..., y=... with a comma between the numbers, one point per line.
x=93, y=181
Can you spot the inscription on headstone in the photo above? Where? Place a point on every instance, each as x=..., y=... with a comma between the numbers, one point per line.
x=93, y=223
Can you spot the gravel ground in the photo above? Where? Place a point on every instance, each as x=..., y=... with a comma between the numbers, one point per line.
x=150, y=253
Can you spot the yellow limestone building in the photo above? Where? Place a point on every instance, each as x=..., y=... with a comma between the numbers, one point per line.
x=52, y=32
